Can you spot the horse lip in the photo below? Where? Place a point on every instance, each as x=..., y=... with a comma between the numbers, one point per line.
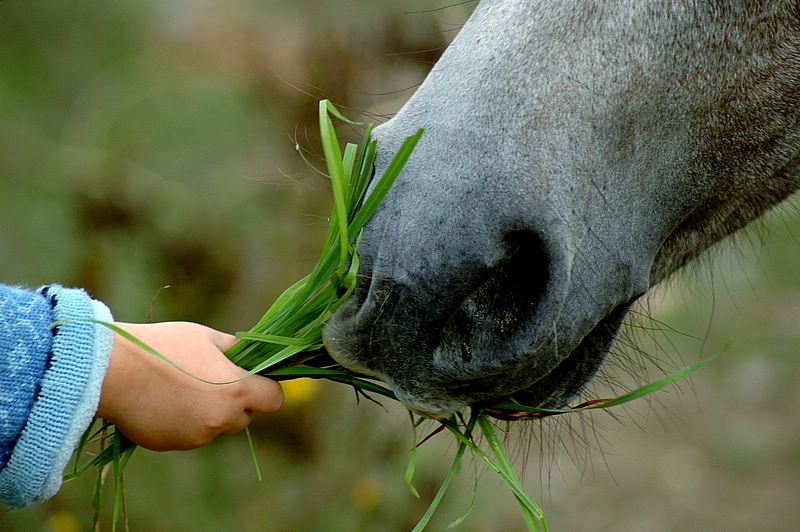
x=335, y=340
x=572, y=374
x=438, y=408
x=554, y=389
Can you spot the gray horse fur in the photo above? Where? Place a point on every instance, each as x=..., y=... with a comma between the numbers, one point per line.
x=575, y=154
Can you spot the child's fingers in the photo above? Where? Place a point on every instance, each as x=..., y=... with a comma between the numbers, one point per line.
x=264, y=395
x=223, y=341
x=244, y=419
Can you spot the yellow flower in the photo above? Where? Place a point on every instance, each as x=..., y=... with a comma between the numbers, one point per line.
x=299, y=390
x=62, y=521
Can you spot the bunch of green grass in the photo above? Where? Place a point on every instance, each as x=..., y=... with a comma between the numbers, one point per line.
x=286, y=343
x=293, y=324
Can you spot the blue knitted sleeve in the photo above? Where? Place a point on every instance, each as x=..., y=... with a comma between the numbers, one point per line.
x=52, y=362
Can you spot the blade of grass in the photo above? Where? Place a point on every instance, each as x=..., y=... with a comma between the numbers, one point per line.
x=86, y=437
x=509, y=480
x=666, y=380
x=342, y=376
x=366, y=169
x=336, y=170
x=253, y=455
x=140, y=344
x=97, y=494
x=651, y=387
x=348, y=162
x=412, y=459
x=270, y=338
x=377, y=194
x=115, y=446
x=457, y=522
x=531, y=511
x=451, y=473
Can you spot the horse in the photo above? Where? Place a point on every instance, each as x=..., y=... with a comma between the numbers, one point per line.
x=575, y=155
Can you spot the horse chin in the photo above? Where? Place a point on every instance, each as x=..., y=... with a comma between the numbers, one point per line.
x=440, y=394
x=439, y=407
x=573, y=374
x=555, y=389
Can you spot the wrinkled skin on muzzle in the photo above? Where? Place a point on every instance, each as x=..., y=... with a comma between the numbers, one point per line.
x=573, y=156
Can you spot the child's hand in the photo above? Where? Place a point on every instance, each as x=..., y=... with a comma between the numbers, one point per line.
x=161, y=408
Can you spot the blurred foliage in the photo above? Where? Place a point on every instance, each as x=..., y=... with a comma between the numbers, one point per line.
x=152, y=143
x=156, y=141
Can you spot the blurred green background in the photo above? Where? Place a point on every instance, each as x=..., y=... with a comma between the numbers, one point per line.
x=149, y=144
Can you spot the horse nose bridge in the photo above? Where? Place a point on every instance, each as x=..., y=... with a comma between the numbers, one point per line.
x=456, y=240
x=440, y=260
x=443, y=234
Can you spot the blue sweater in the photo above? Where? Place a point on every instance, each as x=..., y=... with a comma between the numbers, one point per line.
x=52, y=362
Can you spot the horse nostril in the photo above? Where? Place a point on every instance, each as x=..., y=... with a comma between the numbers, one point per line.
x=466, y=352
x=521, y=279
x=524, y=245
x=480, y=332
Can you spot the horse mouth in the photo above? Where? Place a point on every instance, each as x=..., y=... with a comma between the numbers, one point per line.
x=556, y=388
x=569, y=378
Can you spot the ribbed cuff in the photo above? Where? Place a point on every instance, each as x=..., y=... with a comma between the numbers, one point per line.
x=68, y=399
